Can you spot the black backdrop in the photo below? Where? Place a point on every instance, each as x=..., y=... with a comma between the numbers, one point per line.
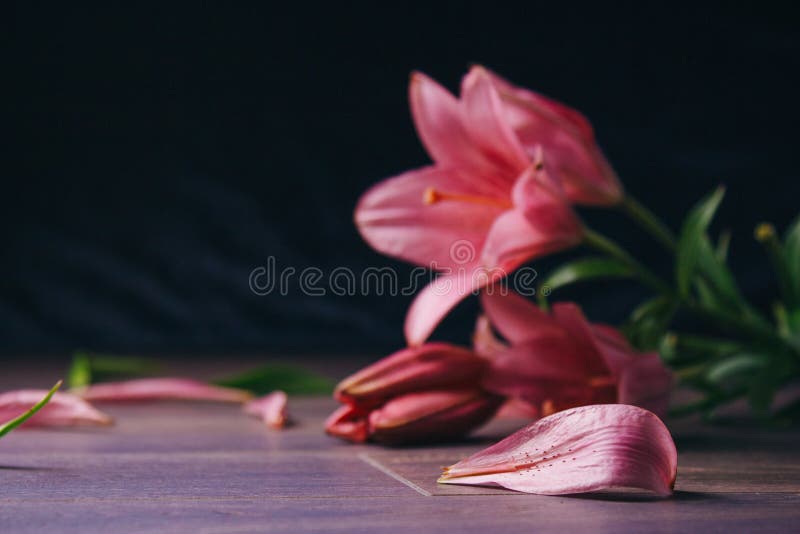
x=156, y=155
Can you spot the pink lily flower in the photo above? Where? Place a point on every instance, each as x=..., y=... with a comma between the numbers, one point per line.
x=424, y=393
x=146, y=389
x=270, y=408
x=580, y=450
x=64, y=409
x=559, y=360
x=473, y=230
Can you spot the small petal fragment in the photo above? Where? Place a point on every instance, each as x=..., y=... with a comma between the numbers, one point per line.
x=147, y=389
x=64, y=409
x=270, y=408
x=576, y=451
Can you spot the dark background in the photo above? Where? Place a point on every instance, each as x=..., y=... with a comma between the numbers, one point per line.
x=156, y=155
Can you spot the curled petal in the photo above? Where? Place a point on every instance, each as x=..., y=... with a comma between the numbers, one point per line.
x=434, y=302
x=428, y=416
x=568, y=139
x=432, y=365
x=270, y=408
x=394, y=219
x=146, y=389
x=64, y=409
x=575, y=451
x=349, y=423
x=442, y=126
x=515, y=317
x=487, y=124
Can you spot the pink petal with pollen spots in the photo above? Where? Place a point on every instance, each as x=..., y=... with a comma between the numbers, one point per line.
x=270, y=408
x=64, y=409
x=146, y=389
x=576, y=451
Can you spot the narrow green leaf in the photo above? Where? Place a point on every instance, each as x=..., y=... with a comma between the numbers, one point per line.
x=791, y=248
x=8, y=426
x=586, y=269
x=80, y=371
x=88, y=368
x=723, y=245
x=289, y=378
x=735, y=367
x=691, y=240
x=648, y=323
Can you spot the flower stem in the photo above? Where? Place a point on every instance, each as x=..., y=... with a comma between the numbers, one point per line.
x=603, y=244
x=649, y=221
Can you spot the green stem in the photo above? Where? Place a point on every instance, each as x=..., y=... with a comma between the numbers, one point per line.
x=603, y=244
x=649, y=221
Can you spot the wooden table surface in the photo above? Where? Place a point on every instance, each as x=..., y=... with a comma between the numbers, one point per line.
x=197, y=467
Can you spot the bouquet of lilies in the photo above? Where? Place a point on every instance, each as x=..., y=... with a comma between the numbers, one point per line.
x=510, y=168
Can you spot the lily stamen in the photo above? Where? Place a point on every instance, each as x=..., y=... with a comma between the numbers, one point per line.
x=432, y=196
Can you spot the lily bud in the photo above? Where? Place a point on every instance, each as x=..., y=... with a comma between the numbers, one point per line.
x=430, y=366
x=428, y=416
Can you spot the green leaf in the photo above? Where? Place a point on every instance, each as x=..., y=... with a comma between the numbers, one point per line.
x=791, y=249
x=692, y=239
x=88, y=368
x=730, y=369
x=723, y=245
x=8, y=426
x=289, y=378
x=586, y=269
x=648, y=323
x=80, y=372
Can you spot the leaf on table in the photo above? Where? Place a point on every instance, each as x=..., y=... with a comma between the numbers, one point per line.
x=88, y=368
x=292, y=379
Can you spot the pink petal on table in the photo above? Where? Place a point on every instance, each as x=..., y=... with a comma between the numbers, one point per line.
x=64, y=409
x=575, y=451
x=145, y=389
x=270, y=408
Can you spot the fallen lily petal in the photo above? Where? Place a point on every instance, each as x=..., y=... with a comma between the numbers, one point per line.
x=270, y=408
x=49, y=409
x=145, y=389
x=575, y=451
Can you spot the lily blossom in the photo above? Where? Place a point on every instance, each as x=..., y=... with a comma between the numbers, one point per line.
x=472, y=230
x=559, y=360
x=580, y=450
x=426, y=393
x=270, y=408
x=63, y=409
x=146, y=389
